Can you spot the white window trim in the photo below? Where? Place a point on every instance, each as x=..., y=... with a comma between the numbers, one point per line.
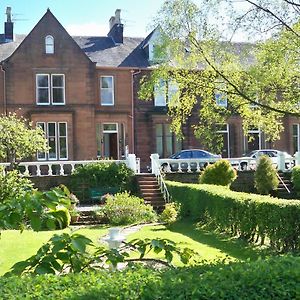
x=110, y=131
x=56, y=137
x=160, y=91
x=50, y=89
x=298, y=134
x=253, y=131
x=37, y=88
x=45, y=135
x=64, y=89
x=228, y=139
x=67, y=142
x=49, y=44
x=57, y=141
x=113, y=91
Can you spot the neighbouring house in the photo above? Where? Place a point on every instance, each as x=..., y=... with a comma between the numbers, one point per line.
x=83, y=91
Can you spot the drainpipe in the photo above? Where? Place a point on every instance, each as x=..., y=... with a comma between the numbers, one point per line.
x=132, y=108
x=4, y=91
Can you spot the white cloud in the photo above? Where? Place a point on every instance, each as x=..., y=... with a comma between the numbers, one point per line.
x=89, y=29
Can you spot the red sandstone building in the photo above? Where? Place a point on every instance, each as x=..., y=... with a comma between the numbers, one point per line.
x=83, y=92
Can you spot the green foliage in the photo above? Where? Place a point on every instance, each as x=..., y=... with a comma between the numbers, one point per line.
x=254, y=217
x=296, y=178
x=13, y=185
x=274, y=278
x=259, y=81
x=31, y=209
x=126, y=209
x=265, y=177
x=19, y=140
x=62, y=217
x=102, y=175
x=170, y=213
x=219, y=173
x=69, y=253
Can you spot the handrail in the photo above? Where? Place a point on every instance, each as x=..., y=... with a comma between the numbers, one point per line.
x=284, y=185
x=156, y=169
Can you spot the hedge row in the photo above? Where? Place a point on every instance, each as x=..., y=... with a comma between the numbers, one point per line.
x=254, y=217
x=276, y=278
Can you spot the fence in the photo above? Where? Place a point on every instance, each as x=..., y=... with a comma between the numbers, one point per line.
x=168, y=165
x=53, y=168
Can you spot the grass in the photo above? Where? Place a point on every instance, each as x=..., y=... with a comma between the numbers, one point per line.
x=208, y=244
x=16, y=246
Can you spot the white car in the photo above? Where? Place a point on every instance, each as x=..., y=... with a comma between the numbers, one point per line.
x=248, y=161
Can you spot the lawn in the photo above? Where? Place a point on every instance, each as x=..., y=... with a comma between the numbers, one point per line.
x=16, y=246
x=209, y=245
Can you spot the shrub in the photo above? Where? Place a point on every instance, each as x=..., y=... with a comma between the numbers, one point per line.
x=102, y=175
x=265, y=177
x=251, y=216
x=296, y=178
x=219, y=173
x=61, y=216
x=274, y=278
x=126, y=209
x=13, y=185
x=170, y=213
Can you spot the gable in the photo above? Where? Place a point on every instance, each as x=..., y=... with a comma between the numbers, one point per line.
x=32, y=48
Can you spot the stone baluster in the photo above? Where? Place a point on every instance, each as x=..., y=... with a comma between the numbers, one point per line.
x=38, y=170
x=50, y=170
x=61, y=171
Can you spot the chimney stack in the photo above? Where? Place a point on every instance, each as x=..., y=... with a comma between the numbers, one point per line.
x=116, y=27
x=8, y=26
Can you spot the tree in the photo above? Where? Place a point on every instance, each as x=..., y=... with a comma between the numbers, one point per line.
x=265, y=177
x=260, y=81
x=19, y=140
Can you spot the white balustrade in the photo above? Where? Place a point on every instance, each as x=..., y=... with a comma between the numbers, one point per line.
x=62, y=168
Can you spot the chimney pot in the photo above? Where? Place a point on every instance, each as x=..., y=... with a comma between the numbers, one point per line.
x=116, y=27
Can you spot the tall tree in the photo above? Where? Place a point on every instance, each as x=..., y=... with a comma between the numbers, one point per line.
x=19, y=140
x=258, y=81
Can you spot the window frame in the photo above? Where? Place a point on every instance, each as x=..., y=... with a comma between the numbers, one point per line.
x=37, y=89
x=57, y=137
x=112, y=89
x=63, y=87
x=49, y=46
x=45, y=135
x=50, y=88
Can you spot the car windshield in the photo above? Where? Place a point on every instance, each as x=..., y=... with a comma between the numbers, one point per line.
x=249, y=154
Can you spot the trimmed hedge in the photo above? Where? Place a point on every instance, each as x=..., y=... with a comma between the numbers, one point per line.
x=276, y=278
x=254, y=217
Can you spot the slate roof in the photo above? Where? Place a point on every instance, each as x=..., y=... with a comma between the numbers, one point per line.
x=104, y=52
x=6, y=49
x=101, y=50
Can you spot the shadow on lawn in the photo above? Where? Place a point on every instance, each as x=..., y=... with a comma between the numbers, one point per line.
x=233, y=247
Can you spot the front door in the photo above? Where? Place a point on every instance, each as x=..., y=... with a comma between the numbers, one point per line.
x=110, y=141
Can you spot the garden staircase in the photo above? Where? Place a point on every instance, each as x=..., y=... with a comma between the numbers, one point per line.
x=150, y=191
x=285, y=188
x=86, y=217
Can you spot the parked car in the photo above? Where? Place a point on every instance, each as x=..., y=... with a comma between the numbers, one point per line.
x=251, y=157
x=192, y=157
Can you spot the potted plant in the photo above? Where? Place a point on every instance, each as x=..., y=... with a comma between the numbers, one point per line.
x=74, y=216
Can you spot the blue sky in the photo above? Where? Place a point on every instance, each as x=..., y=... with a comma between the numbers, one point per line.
x=83, y=17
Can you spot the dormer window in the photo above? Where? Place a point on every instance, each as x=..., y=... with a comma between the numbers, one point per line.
x=49, y=44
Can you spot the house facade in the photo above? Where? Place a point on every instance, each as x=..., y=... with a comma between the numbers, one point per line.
x=83, y=92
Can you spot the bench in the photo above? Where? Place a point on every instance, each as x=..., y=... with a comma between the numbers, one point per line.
x=95, y=194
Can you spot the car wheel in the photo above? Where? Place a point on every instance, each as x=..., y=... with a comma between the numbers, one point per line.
x=165, y=168
x=244, y=166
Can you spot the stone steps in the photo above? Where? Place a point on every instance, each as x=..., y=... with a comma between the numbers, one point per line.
x=150, y=191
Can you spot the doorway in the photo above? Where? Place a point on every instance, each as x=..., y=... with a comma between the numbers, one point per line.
x=110, y=141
